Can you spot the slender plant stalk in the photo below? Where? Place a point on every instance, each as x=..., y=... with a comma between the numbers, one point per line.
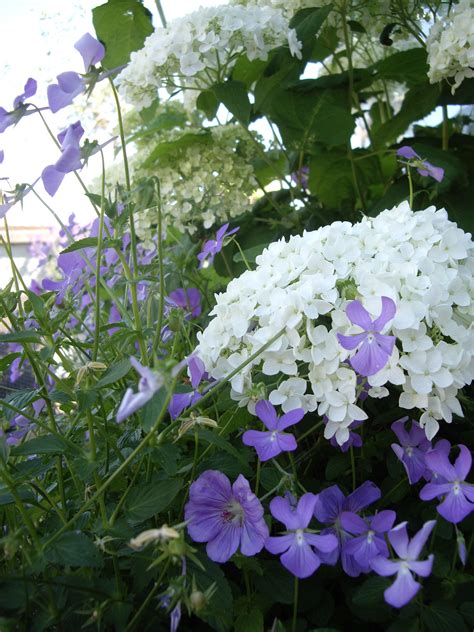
x=95, y=348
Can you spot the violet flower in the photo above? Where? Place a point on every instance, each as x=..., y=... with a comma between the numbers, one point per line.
x=423, y=167
x=70, y=84
x=405, y=587
x=189, y=300
x=72, y=265
x=373, y=348
x=412, y=449
x=70, y=159
x=368, y=541
x=450, y=484
x=329, y=506
x=181, y=401
x=148, y=385
x=300, y=177
x=226, y=517
x=213, y=246
x=19, y=107
x=269, y=444
x=298, y=546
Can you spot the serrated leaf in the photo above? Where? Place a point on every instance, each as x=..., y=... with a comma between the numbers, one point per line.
x=46, y=444
x=114, y=373
x=122, y=26
x=149, y=500
x=74, y=548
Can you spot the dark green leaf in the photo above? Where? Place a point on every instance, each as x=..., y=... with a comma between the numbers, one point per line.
x=307, y=23
x=115, y=373
x=7, y=360
x=208, y=103
x=233, y=94
x=184, y=141
x=330, y=178
x=370, y=593
x=152, y=409
x=74, y=548
x=251, y=621
x=21, y=336
x=407, y=66
x=336, y=465
x=149, y=500
x=442, y=617
x=122, y=26
x=248, y=71
x=87, y=242
x=46, y=444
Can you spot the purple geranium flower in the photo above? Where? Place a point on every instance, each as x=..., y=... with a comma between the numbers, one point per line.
x=19, y=108
x=368, y=541
x=298, y=546
x=329, y=506
x=412, y=449
x=70, y=159
x=70, y=84
x=148, y=385
x=226, y=517
x=270, y=444
x=373, y=348
x=450, y=483
x=213, y=246
x=423, y=167
x=189, y=300
x=405, y=587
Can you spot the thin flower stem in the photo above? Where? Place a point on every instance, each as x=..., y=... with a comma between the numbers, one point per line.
x=21, y=507
x=100, y=238
x=311, y=430
x=148, y=598
x=257, y=478
x=161, y=13
x=410, y=184
x=244, y=258
x=295, y=605
x=125, y=494
x=133, y=236
x=159, y=246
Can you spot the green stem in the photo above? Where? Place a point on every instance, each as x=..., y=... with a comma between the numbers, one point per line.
x=257, y=478
x=21, y=507
x=159, y=246
x=295, y=605
x=97, y=264
x=148, y=598
x=410, y=185
x=161, y=13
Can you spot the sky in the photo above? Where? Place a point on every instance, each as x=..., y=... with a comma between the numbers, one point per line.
x=36, y=40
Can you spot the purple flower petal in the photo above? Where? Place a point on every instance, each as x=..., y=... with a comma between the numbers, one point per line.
x=300, y=559
x=383, y=521
x=423, y=569
x=455, y=507
x=91, y=50
x=407, y=152
x=267, y=414
x=329, y=504
x=351, y=342
x=52, y=179
x=419, y=539
x=279, y=544
x=324, y=543
x=362, y=497
x=224, y=544
x=434, y=490
x=352, y=523
x=65, y=91
x=388, y=312
x=265, y=443
x=463, y=463
x=358, y=315
x=398, y=537
x=438, y=462
x=403, y=589
x=437, y=173
x=290, y=419
x=29, y=91
x=370, y=358
x=384, y=567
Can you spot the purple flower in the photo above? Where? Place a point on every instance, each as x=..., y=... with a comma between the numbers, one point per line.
x=180, y=401
x=70, y=84
x=92, y=51
x=71, y=265
x=329, y=506
x=373, y=348
x=300, y=177
x=405, y=587
x=2, y=155
x=270, y=444
x=213, y=246
x=354, y=440
x=70, y=159
x=458, y=496
x=226, y=517
x=412, y=449
x=189, y=300
x=423, y=167
x=148, y=385
x=368, y=541
x=19, y=108
x=298, y=546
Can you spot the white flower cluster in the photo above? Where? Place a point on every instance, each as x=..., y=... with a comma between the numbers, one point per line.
x=205, y=183
x=450, y=45
x=420, y=260
x=200, y=49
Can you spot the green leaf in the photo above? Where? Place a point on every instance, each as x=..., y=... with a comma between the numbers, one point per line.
x=370, y=593
x=22, y=398
x=149, y=500
x=46, y=444
x=250, y=254
x=407, y=66
x=74, y=548
x=251, y=621
x=223, y=444
x=87, y=242
x=21, y=336
x=418, y=103
x=336, y=466
x=307, y=24
x=233, y=94
x=7, y=360
x=122, y=26
x=330, y=178
x=152, y=409
x=183, y=142
x=115, y=373
x=247, y=71
x=442, y=617
x=208, y=103
x=15, y=594
x=467, y=611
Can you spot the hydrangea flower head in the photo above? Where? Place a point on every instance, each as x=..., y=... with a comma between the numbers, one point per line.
x=272, y=442
x=299, y=548
x=212, y=246
x=373, y=349
x=148, y=385
x=450, y=483
x=412, y=449
x=405, y=586
x=227, y=517
x=423, y=167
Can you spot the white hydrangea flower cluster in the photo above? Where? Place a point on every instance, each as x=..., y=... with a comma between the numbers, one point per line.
x=203, y=183
x=199, y=49
x=420, y=260
x=450, y=45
